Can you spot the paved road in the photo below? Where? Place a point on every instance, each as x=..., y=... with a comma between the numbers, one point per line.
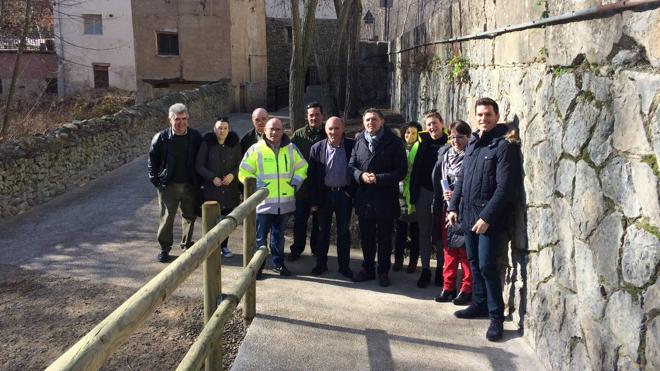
x=105, y=232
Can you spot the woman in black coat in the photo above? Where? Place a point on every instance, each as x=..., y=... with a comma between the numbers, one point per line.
x=217, y=163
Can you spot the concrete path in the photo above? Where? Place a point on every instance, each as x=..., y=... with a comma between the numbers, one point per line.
x=106, y=232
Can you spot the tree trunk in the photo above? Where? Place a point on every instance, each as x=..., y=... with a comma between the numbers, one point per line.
x=14, y=75
x=353, y=62
x=302, y=31
x=341, y=47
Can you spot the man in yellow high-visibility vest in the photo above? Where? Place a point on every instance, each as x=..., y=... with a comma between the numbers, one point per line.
x=277, y=165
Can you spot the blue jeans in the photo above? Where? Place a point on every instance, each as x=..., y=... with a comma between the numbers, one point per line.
x=301, y=215
x=275, y=224
x=482, y=252
x=339, y=203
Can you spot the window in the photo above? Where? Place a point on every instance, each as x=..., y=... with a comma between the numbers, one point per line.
x=51, y=86
x=101, y=79
x=93, y=24
x=288, y=35
x=168, y=43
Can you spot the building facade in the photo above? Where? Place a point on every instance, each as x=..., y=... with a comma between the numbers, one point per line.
x=183, y=44
x=94, y=43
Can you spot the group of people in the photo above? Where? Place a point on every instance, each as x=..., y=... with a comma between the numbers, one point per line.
x=448, y=188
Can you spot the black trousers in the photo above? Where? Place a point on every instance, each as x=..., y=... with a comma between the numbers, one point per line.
x=376, y=238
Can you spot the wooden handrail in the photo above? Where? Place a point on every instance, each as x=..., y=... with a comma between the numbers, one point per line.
x=102, y=341
x=212, y=332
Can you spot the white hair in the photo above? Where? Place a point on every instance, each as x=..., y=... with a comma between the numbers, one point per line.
x=177, y=108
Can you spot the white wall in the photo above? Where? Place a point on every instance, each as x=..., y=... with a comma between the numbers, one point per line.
x=281, y=9
x=79, y=51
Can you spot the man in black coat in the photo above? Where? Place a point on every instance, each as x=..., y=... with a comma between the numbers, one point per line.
x=377, y=164
x=259, y=119
x=171, y=167
x=330, y=191
x=482, y=194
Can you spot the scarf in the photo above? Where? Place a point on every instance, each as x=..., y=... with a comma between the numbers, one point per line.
x=373, y=139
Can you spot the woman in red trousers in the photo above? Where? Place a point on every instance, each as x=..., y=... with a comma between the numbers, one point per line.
x=450, y=161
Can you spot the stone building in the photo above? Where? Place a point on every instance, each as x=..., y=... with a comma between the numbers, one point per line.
x=581, y=268
x=182, y=44
x=95, y=45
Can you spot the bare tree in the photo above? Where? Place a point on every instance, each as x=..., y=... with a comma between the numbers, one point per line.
x=302, y=31
x=352, y=100
x=14, y=75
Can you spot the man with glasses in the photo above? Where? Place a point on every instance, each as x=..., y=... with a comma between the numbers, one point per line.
x=304, y=138
x=259, y=118
x=171, y=168
x=378, y=163
x=482, y=194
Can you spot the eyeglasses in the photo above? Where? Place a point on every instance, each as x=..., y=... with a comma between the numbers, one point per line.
x=457, y=137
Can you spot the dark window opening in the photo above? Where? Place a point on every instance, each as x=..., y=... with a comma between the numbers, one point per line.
x=0, y=86
x=288, y=35
x=161, y=85
x=101, y=79
x=51, y=86
x=168, y=43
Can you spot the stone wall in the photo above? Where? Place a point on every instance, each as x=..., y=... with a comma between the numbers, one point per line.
x=35, y=169
x=581, y=268
x=374, y=73
x=279, y=47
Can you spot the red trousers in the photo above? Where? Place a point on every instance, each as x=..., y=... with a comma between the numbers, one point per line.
x=450, y=270
x=452, y=257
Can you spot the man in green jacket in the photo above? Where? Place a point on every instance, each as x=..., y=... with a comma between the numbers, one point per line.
x=304, y=138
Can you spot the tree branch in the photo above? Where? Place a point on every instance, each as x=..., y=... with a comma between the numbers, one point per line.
x=14, y=75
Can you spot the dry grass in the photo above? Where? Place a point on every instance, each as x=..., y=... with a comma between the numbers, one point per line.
x=48, y=112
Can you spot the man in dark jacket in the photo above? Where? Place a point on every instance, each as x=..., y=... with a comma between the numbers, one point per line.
x=304, y=138
x=330, y=190
x=482, y=194
x=259, y=119
x=377, y=164
x=171, y=168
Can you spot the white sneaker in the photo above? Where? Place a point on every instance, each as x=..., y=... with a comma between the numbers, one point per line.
x=227, y=253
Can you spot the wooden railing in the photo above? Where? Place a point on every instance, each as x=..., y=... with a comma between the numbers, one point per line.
x=100, y=343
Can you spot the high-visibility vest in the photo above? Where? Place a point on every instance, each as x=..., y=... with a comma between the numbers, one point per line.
x=282, y=175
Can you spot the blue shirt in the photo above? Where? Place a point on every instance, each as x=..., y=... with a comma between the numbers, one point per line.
x=336, y=167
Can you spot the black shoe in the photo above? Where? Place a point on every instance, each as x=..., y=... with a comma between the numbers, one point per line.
x=293, y=256
x=495, y=330
x=424, y=278
x=363, y=275
x=398, y=264
x=260, y=272
x=346, y=272
x=383, y=280
x=185, y=246
x=438, y=279
x=463, y=298
x=282, y=270
x=412, y=267
x=472, y=312
x=319, y=270
x=445, y=296
x=163, y=256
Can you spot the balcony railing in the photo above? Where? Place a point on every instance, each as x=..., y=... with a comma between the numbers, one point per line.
x=12, y=43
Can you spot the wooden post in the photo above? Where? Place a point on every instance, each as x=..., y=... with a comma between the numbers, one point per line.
x=100, y=343
x=212, y=283
x=249, y=238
